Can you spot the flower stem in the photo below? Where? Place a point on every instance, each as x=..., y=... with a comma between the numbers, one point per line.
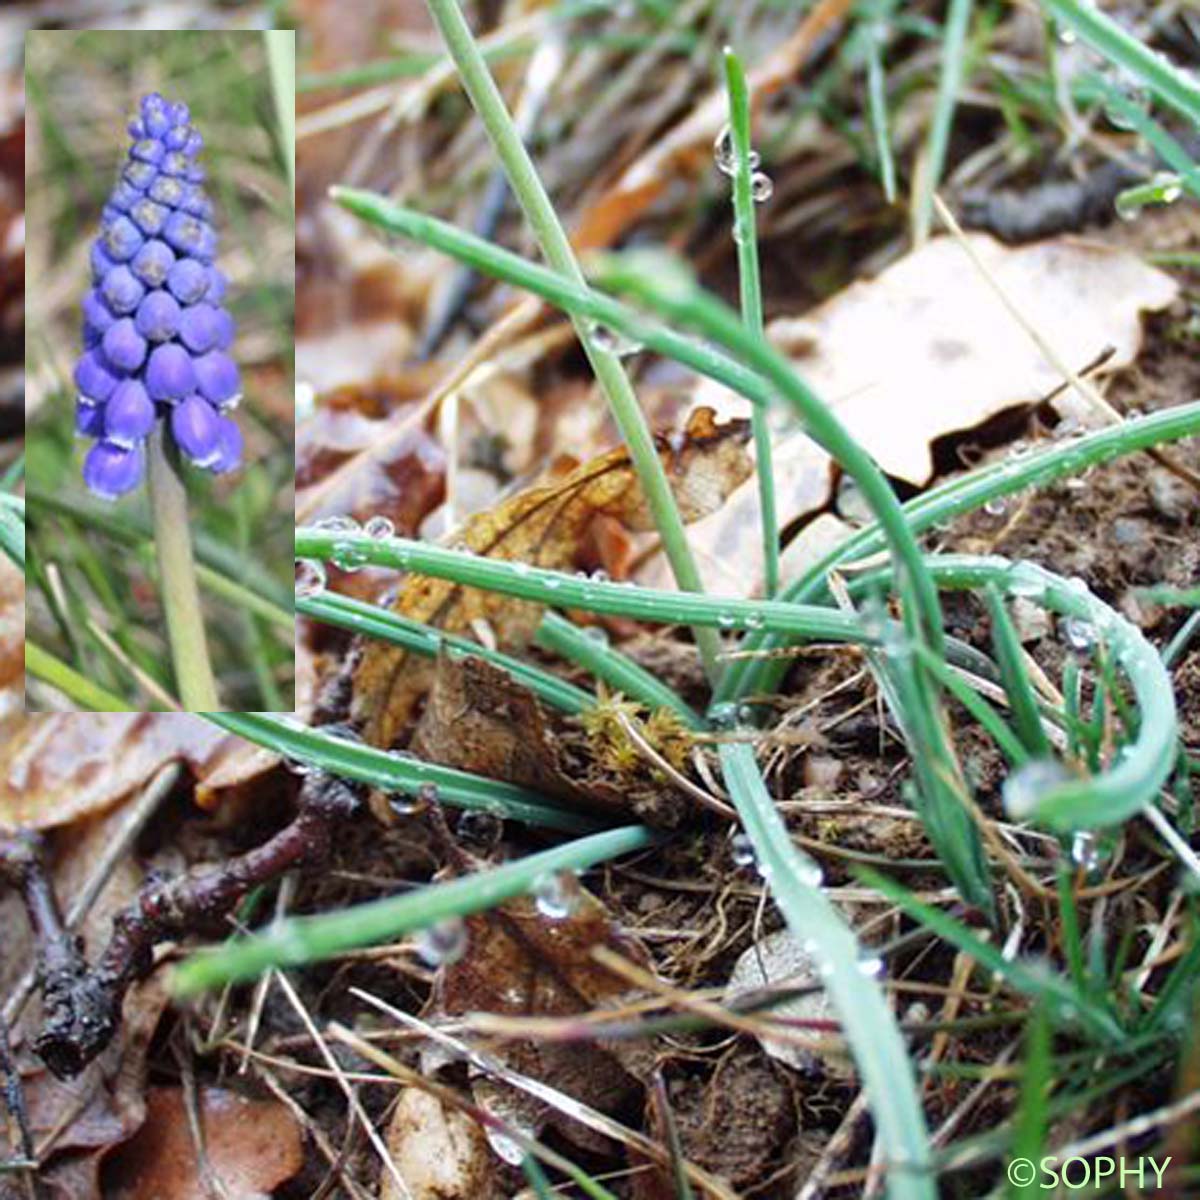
x=610, y=374
x=177, y=572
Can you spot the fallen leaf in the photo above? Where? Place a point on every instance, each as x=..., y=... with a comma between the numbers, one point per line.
x=77, y=1122
x=252, y=1147
x=522, y=962
x=779, y=961
x=478, y=718
x=727, y=544
x=544, y=525
x=57, y=768
x=12, y=634
x=439, y=1152
x=926, y=348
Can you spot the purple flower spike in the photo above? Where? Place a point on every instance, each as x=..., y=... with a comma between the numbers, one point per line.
x=217, y=378
x=96, y=312
x=157, y=317
x=124, y=348
x=89, y=418
x=121, y=290
x=94, y=378
x=199, y=328
x=196, y=429
x=152, y=263
x=170, y=373
x=188, y=281
x=229, y=438
x=129, y=415
x=110, y=471
x=156, y=333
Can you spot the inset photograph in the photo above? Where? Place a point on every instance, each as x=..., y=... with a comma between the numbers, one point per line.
x=159, y=347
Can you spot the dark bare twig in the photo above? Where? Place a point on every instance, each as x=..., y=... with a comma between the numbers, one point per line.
x=14, y=1101
x=81, y=1003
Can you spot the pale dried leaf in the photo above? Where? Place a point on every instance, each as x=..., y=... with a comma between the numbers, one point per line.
x=927, y=348
x=779, y=961
x=59, y=767
x=439, y=1152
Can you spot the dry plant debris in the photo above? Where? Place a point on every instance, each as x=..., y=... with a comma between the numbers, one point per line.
x=545, y=526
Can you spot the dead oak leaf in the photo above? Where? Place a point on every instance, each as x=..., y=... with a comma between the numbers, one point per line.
x=544, y=525
x=57, y=768
x=478, y=718
x=252, y=1147
x=927, y=348
x=521, y=962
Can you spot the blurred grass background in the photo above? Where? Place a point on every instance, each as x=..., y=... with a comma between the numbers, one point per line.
x=92, y=599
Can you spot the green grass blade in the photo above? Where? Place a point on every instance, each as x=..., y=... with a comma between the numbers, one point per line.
x=610, y=374
x=1169, y=83
x=1135, y=778
x=954, y=42
x=400, y=773
x=869, y=1025
x=953, y=499
x=553, y=588
x=1066, y=1002
x=1010, y=657
x=1032, y=1119
x=369, y=620
x=12, y=529
x=302, y=940
x=745, y=238
x=281, y=55
x=621, y=673
x=88, y=695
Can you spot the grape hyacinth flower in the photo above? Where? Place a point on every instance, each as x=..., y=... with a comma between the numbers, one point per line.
x=156, y=337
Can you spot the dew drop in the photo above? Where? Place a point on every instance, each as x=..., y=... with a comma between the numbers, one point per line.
x=443, y=943
x=723, y=152
x=870, y=965
x=597, y=635
x=379, y=527
x=341, y=524
x=1023, y=790
x=741, y=850
x=723, y=715
x=1128, y=207
x=810, y=873
x=1085, y=851
x=350, y=556
x=762, y=187
x=1078, y=633
x=995, y=506
x=310, y=577
x=557, y=895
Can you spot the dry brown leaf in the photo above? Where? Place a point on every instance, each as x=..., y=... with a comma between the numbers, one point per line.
x=57, y=768
x=478, y=718
x=12, y=632
x=926, y=348
x=522, y=963
x=252, y=1147
x=727, y=544
x=439, y=1152
x=544, y=525
x=76, y=1122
